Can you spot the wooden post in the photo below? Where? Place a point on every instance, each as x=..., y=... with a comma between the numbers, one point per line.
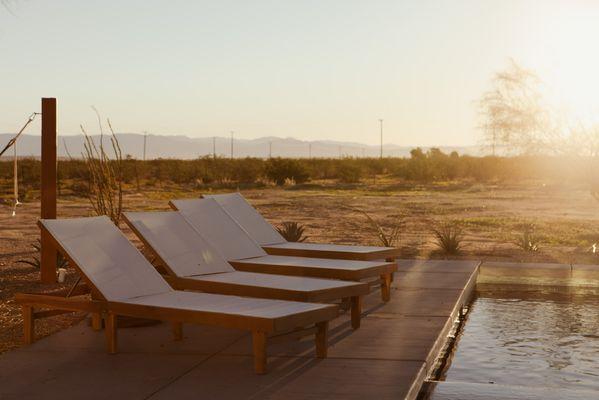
x=48, y=187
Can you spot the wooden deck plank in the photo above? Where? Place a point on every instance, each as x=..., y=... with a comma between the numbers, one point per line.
x=442, y=266
x=416, y=302
x=225, y=377
x=432, y=280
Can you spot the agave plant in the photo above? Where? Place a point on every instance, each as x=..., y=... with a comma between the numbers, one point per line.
x=61, y=262
x=292, y=232
x=528, y=240
x=448, y=237
x=387, y=238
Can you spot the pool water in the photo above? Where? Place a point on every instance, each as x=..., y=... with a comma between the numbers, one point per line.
x=540, y=340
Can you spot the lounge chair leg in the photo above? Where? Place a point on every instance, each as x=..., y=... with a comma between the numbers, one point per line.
x=96, y=322
x=177, y=331
x=28, y=325
x=345, y=304
x=111, y=333
x=322, y=330
x=356, y=311
x=386, y=287
x=392, y=260
x=259, y=345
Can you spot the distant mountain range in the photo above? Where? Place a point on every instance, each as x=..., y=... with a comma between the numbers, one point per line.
x=183, y=147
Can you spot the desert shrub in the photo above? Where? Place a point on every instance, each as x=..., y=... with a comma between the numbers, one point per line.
x=105, y=177
x=280, y=170
x=248, y=170
x=292, y=231
x=422, y=167
x=448, y=237
x=417, y=167
x=528, y=240
x=349, y=171
x=35, y=262
x=79, y=189
x=387, y=238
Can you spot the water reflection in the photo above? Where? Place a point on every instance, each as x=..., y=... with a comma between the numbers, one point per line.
x=530, y=339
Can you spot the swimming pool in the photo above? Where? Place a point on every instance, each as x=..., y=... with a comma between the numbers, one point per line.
x=541, y=339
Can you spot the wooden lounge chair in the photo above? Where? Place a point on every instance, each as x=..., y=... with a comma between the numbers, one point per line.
x=273, y=243
x=192, y=263
x=124, y=283
x=238, y=248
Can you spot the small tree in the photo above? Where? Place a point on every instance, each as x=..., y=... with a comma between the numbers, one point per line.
x=513, y=112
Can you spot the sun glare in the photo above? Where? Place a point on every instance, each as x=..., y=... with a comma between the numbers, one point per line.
x=564, y=55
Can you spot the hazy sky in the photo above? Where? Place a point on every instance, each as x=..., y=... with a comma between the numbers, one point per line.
x=308, y=69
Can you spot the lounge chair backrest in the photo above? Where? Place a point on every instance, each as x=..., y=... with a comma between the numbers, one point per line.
x=110, y=261
x=249, y=218
x=219, y=228
x=184, y=251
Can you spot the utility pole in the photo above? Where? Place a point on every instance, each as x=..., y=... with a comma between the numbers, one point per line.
x=309, y=150
x=381, y=122
x=339, y=151
x=213, y=146
x=145, y=139
x=232, y=138
x=270, y=149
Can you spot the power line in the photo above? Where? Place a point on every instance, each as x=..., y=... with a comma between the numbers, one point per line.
x=145, y=139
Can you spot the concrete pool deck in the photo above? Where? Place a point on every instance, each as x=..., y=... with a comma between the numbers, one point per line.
x=390, y=356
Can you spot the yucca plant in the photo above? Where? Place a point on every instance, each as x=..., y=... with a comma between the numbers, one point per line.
x=387, y=238
x=528, y=240
x=448, y=237
x=292, y=231
x=61, y=262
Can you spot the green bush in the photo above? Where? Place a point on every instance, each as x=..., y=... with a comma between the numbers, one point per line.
x=249, y=170
x=349, y=171
x=279, y=170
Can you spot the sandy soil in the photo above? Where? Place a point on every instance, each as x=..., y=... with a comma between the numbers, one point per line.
x=567, y=218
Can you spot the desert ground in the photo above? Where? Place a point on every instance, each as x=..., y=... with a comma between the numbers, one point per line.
x=493, y=217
